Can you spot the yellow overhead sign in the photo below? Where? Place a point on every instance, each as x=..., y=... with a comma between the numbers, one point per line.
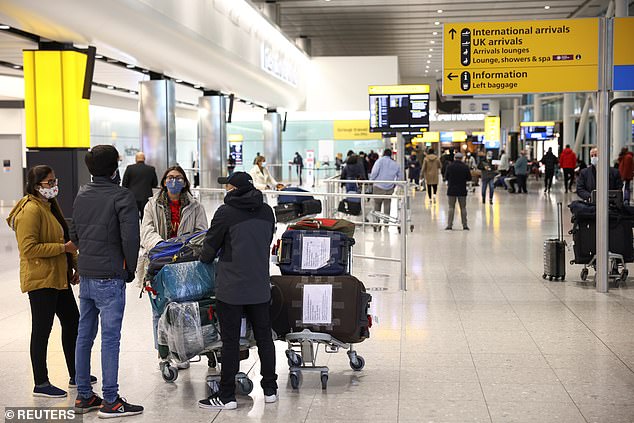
x=492, y=129
x=354, y=130
x=623, y=75
x=433, y=136
x=459, y=136
x=521, y=57
x=537, y=123
x=398, y=89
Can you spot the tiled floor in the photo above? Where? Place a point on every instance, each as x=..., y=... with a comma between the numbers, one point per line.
x=478, y=336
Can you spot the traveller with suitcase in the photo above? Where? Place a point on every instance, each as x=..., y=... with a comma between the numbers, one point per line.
x=172, y=212
x=240, y=235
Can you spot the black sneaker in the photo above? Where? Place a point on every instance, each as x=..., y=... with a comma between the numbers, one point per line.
x=466, y=228
x=83, y=406
x=119, y=408
x=215, y=403
x=73, y=384
x=49, y=391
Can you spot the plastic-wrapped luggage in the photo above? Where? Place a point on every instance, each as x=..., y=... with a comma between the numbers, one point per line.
x=186, y=281
x=325, y=253
x=335, y=305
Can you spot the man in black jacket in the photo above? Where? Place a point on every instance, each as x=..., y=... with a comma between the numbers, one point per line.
x=457, y=174
x=106, y=231
x=140, y=179
x=550, y=161
x=587, y=180
x=240, y=233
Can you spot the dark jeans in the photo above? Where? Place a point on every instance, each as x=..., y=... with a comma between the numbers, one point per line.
x=102, y=301
x=548, y=178
x=141, y=205
x=569, y=178
x=627, y=187
x=487, y=183
x=45, y=304
x=230, y=317
x=521, y=183
x=431, y=187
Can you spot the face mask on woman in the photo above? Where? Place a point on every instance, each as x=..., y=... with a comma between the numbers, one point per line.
x=48, y=193
x=175, y=186
x=263, y=164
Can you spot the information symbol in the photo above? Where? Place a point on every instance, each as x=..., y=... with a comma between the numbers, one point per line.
x=578, y=57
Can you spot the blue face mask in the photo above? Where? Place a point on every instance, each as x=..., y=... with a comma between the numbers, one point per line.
x=174, y=186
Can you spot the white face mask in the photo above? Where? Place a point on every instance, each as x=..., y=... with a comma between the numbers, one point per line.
x=594, y=160
x=263, y=164
x=48, y=193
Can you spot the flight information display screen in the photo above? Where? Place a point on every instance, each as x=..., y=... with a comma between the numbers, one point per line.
x=399, y=108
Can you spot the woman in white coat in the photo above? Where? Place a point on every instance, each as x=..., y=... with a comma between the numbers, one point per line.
x=262, y=178
x=171, y=212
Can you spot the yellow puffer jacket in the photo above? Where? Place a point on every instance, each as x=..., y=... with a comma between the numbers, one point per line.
x=41, y=244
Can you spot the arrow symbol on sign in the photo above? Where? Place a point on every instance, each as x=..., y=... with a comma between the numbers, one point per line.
x=452, y=32
x=451, y=76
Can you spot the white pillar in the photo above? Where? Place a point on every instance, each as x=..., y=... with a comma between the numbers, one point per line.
x=516, y=115
x=537, y=108
x=569, y=120
x=212, y=133
x=157, y=103
x=272, y=131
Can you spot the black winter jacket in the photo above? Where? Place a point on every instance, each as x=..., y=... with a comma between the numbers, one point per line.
x=140, y=179
x=241, y=232
x=587, y=182
x=106, y=230
x=457, y=175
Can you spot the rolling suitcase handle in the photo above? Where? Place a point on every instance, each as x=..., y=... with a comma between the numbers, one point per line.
x=560, y=222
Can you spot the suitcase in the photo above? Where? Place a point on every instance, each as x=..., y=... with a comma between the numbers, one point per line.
x=348, y=320
x=350, y=206
x=340, y=225
x=584, y=238
x=309, y=207
x=323, y=253
x=287, y=212
x=555, y=252
x=284, y=199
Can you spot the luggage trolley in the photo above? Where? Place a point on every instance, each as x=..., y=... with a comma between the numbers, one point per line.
x=302, y=355
x=393, y=221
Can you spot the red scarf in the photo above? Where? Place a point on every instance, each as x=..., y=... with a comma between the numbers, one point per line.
x=175, y=212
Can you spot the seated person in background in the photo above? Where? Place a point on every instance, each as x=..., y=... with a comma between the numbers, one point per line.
x=587, y=181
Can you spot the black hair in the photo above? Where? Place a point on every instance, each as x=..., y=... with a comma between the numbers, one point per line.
x=102, y=160
x=350, y=153
x=430, y=151
x=387, y=152
x=34, y=177
x=179, y=170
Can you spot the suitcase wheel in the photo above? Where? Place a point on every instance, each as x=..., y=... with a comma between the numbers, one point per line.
x=324, y=380
x=584, y=274
x=294, y=359
x=357, y=364
x=544, y=276
x=169, y=373
x=624, y=274
x=294, y=378
x=244, y=385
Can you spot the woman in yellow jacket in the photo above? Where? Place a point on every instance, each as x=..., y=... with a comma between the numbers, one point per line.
x=47, y=261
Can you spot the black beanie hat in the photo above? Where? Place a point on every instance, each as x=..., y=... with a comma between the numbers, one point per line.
x=102, y=160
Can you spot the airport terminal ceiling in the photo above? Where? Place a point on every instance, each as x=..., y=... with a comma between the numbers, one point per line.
x=409, y=29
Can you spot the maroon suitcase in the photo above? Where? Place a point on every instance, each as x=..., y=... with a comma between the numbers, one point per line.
x=349, y=321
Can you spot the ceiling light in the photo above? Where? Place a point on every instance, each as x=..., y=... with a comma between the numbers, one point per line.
x=429, y=55
x=432, y=42
x=178, y=81
x=426, y=67
x=132, y=92
x=546, y=7
x=129, y=66
x=437, y=70
x=145, y=71
x=439, y=10
x=110, y=87
x=98, y=56
x=431, y=49
x=5, y=27
x=436, y=23
x=434, y=33
x=196, y=86
x=429, y=61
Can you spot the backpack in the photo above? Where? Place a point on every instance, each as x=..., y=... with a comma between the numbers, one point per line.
x=175, y=250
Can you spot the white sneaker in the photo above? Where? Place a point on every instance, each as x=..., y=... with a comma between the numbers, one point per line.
x=270, y=399
x=214, y=403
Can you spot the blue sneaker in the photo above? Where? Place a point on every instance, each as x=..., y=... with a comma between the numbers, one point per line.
x=49, y=391
x=72, y=384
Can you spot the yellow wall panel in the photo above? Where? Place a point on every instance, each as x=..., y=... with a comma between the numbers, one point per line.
x=48, y=99
x=29, y=99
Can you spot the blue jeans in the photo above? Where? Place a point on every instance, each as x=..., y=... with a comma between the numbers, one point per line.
x=99, y=300
x=485, y=184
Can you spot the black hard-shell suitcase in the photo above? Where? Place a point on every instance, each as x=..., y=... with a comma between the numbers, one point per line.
x=287, y=212
x=584, y=238
x=296, y=246
x=555, y=252
x=350, y=320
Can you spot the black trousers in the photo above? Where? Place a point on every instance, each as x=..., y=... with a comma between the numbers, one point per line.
x=45, y=304
x=521, y=183
x=141, y=205
x=430, y=188
x=569, y=177
x=230, y=317
x=548, y=179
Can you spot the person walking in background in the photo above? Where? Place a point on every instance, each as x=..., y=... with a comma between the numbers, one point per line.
x=338, y=161
x=262, y=178
x=298, y=161
x=173, y=211
x=231, y=164
x=521, y=172
x=47, y=270
x=385, y=169
x=549, y=161
x=106, y=231
x=568, y=162
x=431, y=166
x=353, y=171
x=372, y=158
x=626, y=170
x=458, y=174
x=413, y=170
x=504, y=167
x=488, y=176
x=140, y=179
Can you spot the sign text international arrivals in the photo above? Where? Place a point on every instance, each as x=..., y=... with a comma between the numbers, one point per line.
x=521, y=57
